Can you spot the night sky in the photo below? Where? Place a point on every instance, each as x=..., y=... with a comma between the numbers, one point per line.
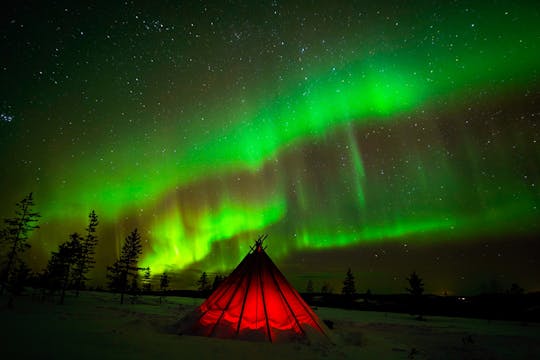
x=388, y=137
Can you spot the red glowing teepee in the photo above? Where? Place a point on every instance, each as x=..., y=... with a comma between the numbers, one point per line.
x=256, y=302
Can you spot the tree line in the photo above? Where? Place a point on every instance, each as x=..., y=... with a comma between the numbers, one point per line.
x=70, y=264
x=416, y=285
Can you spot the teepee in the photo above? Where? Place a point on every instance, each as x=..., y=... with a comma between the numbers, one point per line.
x=256, y=302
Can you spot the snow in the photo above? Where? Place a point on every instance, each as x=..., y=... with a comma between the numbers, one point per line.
x=96, y=326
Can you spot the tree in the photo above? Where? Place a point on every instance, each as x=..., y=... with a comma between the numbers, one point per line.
x=416, y=285
x=516, y=290
x=203, y=282
x=86, y=261
x=217, y=281
x=309, y=287
x=126, y=266
x=368, y=295
x=349, y=289
x=163, y=285
x=147, y=280
x=15, y=235
x=60, y=266
x=164, y=282
x=416, y=289
x=326, y=288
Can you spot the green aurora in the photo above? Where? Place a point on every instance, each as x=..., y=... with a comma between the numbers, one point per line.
x=362, y=142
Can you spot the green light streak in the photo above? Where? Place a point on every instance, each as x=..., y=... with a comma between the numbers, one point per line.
x=321, y=240
x=358, y=170
x=183, y=238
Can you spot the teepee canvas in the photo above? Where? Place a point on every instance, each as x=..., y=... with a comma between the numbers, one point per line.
x=256, y=302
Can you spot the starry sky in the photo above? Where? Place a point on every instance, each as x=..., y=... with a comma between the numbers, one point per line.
x=382, y=136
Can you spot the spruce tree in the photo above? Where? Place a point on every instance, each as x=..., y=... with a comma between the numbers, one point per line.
x=516, y=290
x=86, y=261
x=326, y=288
x=164, y=282
x=60, y=266
x=203, y=282
x=147, y=280
x=416, y=289
x=16, y=233
x=126, y=266
x=217, y=281
x=416, y=284
x=309, y=287
x=163, y=285
x=349, y=288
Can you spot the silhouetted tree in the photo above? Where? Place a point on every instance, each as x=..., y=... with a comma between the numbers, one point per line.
x=416, y=289
x=515, y=289
x=147, y=280
x=349, y=289
x=86, y=261
x=61, y=264
x=368, y=295
x=163, y=285
x=204, y=284
x=416, y=285
x=15, y=236
x=164, y=282
x=326, y=288
x=309, y=287
x=217, y=281
x=125, y=267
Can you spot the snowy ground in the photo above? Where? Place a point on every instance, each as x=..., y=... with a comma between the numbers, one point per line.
x=95, y=326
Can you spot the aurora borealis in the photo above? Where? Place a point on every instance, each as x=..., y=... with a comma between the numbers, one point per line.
x=386, y=137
